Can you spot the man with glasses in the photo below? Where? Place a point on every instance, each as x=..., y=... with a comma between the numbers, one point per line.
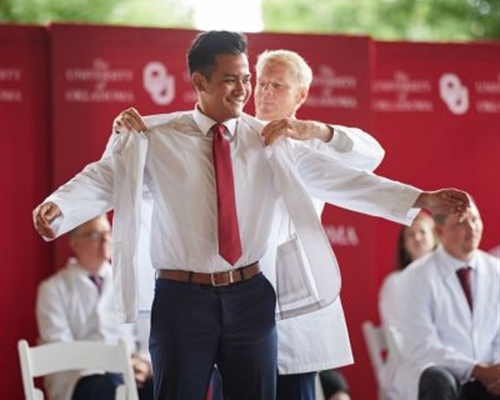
x=76, y=303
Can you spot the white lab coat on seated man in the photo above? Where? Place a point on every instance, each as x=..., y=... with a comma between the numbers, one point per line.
x=118, y=181
x=436, y=323
x=69, y=308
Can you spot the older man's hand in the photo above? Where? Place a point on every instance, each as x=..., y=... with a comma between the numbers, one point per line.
x=444, y=201
x=296, y=129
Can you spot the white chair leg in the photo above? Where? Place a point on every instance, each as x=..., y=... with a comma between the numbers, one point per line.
x=121, y=393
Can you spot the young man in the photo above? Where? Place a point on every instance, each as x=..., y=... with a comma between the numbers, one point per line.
x=212, y=304
x=283, y=79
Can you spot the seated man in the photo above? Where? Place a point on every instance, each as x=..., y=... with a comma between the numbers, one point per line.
x=449, y=317
x=76, y=303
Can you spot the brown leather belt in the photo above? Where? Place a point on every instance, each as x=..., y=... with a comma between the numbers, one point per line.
x=214, y=279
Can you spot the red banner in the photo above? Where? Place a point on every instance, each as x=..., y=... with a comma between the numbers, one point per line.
x=435, y=108
x=24, y=178
x=437, y=113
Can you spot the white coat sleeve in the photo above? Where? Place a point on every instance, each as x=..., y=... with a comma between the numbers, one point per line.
x=352, y=147
x=87, y=195
x=353, y=189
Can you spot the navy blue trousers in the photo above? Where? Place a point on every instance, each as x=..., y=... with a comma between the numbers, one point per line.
x=196, y=326
x=296, y=387
x=103, y=387
x=438, y=383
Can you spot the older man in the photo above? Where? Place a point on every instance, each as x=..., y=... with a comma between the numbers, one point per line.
x=76, y=303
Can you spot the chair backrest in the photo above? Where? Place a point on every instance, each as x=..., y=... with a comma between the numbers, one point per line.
x=394, y=340
x=376, y=343
x=385, y=350
x=319, y=389
x=50, y=358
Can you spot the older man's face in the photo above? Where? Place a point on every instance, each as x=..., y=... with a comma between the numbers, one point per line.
x=277, y=92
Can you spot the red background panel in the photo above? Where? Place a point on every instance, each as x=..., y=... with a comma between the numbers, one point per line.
x=24, y=177
x=57, y=106
x=427, y=144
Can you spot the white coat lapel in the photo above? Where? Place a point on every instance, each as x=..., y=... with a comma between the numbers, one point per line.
x=128, y=168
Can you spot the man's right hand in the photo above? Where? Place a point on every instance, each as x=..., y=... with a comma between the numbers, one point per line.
x=129, y=120
x=489, y=376
x=43, y=216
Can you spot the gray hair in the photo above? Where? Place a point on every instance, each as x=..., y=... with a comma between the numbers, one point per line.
x=297, y=64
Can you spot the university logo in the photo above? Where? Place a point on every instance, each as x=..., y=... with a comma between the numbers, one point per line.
x=158, y=83
x=454, y=94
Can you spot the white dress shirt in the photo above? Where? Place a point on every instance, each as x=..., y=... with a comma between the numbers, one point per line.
x=318, y=340
x=177, y=160
x=436, y=322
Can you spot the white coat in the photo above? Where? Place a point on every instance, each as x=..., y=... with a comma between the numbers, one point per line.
x=319, y=340
x=118, y=181
x=304, y=342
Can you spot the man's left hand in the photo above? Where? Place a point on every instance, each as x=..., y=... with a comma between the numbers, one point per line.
x=296, y=129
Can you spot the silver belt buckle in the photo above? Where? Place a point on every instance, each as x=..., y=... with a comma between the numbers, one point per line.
x=212, y=278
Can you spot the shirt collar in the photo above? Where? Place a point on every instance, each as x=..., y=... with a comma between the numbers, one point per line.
x=204, y=123
x=103, y=272
x=455, y=264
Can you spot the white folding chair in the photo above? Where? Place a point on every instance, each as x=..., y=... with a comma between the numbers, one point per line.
x=49, y=358
x=376, y=342
x=319, y=389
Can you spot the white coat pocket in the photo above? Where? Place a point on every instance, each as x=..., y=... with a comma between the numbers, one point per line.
x=294, y=282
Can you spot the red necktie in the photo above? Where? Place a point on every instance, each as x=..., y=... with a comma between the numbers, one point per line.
x=97, y=281
x=229, y=234
x=464, y=277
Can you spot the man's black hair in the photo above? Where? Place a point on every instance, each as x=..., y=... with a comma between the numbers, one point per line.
x=207, y=45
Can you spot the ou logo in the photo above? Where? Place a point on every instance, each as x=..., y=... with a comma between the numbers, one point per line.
x=454, y=94
x=158, y=83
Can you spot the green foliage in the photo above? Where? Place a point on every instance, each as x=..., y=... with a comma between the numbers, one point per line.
x=423, y=20
x=159, y=13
